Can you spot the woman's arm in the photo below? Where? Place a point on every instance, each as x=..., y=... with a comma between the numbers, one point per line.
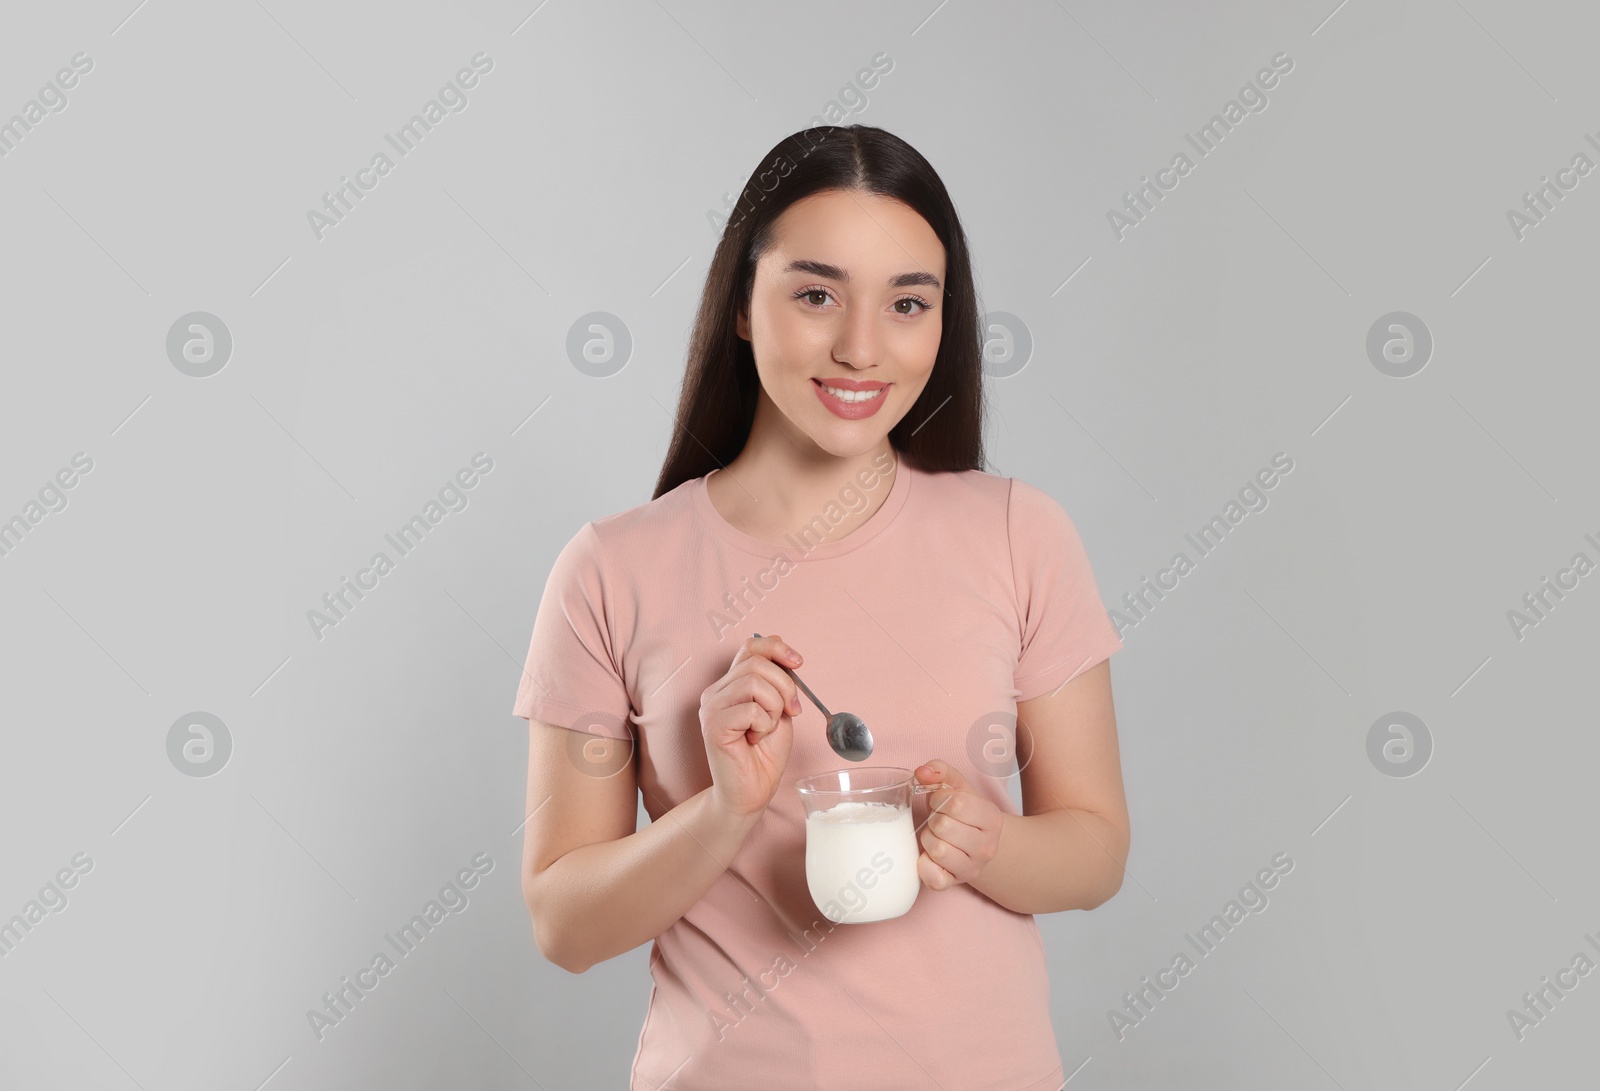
x=594, y=886
x=1067, y=849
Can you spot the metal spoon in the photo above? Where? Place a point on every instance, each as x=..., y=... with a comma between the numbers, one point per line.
x=847, y=735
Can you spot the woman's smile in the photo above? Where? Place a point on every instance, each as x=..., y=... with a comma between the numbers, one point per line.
x=852, y=399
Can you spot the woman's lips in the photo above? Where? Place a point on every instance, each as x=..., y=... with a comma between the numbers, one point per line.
x=850, y=410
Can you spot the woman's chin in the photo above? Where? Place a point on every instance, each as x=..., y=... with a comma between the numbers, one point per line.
x=837, y=436
x=849, y=441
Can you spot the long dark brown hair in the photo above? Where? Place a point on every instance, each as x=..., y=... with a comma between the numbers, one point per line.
x=943, y=431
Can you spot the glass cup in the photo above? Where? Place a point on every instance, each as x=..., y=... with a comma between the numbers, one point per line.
x=861, y=849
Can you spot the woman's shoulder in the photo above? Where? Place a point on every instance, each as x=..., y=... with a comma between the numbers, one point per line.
x=977, y=491
x=643, y=528
x=974, y=482
x=1019, y=505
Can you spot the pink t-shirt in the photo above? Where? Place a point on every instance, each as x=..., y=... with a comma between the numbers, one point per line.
x=962, y=595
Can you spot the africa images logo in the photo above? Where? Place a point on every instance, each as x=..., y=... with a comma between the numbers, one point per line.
x=1137, y=203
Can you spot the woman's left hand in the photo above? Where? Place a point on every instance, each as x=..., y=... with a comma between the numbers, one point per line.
x=962, y=833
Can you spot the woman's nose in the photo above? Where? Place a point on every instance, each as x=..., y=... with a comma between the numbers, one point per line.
x=859, y=341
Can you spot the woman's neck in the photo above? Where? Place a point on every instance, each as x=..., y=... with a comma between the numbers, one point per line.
x=770, y=491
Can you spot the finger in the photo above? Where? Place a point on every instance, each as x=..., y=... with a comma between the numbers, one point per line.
x=772, y=647
x=951, y=801
x=757, y=687
x=935, y=876
x=763, y=667
x=948, y=855
x=958, y=835
x=747, y=722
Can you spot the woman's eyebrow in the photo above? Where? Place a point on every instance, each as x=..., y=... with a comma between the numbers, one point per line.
x=833, y=272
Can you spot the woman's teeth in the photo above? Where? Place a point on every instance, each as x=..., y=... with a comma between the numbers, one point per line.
x=853, y=395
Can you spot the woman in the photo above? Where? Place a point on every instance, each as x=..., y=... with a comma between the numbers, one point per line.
x=824, y=486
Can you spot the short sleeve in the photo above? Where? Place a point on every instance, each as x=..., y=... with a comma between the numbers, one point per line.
x=571, y=678
x=1065, y=627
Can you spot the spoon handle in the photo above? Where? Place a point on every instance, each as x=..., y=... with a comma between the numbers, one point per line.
x=826, y=714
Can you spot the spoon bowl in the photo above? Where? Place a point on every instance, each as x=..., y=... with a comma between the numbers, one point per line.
x=847, y=734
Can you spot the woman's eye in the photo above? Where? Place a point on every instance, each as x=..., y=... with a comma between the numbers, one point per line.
x=818, y=297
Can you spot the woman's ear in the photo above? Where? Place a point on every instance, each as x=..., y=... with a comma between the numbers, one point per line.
x=742, y=324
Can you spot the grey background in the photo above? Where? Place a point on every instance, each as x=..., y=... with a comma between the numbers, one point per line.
x=371, y=765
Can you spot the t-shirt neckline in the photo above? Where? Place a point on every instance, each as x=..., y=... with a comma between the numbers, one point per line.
x=810, y=548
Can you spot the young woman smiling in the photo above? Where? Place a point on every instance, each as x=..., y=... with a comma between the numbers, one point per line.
x=839, y=326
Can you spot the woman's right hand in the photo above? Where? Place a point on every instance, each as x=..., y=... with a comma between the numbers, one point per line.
x=747, y=723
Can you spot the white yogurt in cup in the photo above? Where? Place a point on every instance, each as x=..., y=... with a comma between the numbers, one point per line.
x=861, y=847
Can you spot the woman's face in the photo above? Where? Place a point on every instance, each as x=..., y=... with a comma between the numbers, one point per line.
x=849, y=295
